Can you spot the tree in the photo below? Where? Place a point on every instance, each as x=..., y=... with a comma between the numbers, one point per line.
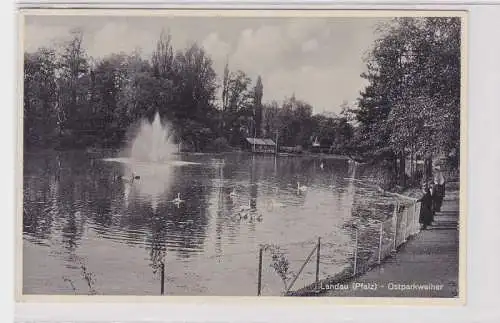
x=412, y=103
x=196, y=94
x=108, y=119
x=270, y=119
x=40, y=115
x=73, y=83
x=258, y=93
x=165, y=79
x=237, y=101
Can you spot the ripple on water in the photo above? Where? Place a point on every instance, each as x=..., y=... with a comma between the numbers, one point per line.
x=122, y=227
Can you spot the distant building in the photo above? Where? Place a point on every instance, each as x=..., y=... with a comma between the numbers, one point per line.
x=291, y=150
x=323, y=145
x=259, y=145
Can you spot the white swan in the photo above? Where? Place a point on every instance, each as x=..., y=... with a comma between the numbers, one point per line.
x=178, y=200
x=246, y=207
x=237, y=215
x=301, y=188
x=272, y=203
x=243, y=214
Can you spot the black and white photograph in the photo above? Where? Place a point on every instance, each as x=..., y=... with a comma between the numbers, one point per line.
x=242, y=153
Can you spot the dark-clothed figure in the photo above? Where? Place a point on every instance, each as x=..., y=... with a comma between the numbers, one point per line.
x=439, y=189
x=425, y=218
x=434, y=198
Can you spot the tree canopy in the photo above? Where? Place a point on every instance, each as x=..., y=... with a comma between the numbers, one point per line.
x=72, y=100
x=412, y=101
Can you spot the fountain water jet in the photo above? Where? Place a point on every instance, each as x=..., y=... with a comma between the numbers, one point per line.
x=153, y=142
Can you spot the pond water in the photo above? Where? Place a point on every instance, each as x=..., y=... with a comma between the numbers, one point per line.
x=89, y=228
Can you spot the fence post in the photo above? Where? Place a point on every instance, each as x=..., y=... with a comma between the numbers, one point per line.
x=412, y=221
x=259, y=281
x=380, y=241
x=395, y=216
x=415, y=219
x=162, y=278
x=301, y=268
x=355, y=253
x=317, y=260
x=417, y=211
x=405, y=217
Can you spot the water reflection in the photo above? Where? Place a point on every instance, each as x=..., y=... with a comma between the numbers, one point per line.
x=119, y=216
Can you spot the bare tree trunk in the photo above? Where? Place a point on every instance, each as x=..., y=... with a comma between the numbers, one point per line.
x=412, y=168
x=402, y=170
x=428, y=167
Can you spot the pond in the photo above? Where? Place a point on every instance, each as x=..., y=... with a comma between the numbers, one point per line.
x=96, y=225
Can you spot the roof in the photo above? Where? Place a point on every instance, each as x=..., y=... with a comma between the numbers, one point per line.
x=269, y=142
x=259, y=141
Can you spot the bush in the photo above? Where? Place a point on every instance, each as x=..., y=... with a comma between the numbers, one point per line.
x=218, y=145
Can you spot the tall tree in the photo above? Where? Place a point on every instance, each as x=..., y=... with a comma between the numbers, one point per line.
x=40, y=95
x=412, y=103
x=237, y=101
x=195, y=110
x=258, y=93
x=73, y=85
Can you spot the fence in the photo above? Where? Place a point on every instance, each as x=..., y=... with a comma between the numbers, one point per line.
x=373, y=241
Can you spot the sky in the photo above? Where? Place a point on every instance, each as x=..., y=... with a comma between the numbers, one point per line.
x=317, y=59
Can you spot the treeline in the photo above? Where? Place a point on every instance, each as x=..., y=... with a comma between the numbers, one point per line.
x=411, y=106
x=73, y=101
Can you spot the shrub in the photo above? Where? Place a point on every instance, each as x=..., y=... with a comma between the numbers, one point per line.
x=218, y=145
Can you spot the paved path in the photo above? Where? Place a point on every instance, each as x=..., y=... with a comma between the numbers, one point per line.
x=429, y=260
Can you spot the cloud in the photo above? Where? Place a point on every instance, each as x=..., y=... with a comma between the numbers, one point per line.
x=265, y=48
x=258, y=50
x=120, y=37
x=310, y=46
x=323, y=88
x=217, y=49
x=300, y=29
x=284, y=52
x=48, y=36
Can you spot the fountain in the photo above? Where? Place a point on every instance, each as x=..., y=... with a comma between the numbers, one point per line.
x=147, y=163
x=152, y=142
x=153, y=145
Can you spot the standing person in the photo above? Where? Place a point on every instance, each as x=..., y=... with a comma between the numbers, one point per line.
x=434, y=199
x=425, y=218
x=439, y=185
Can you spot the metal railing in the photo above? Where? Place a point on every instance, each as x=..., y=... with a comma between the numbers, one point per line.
x=373, y=241
x=377, y=240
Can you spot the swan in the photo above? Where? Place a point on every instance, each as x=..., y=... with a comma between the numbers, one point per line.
x=246, y=207
x=178, y=200
x=321, y=165
x=236, y=216
x=301, y=188
x=274, y=203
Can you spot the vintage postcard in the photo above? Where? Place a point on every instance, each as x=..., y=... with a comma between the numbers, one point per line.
x=255, y=153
